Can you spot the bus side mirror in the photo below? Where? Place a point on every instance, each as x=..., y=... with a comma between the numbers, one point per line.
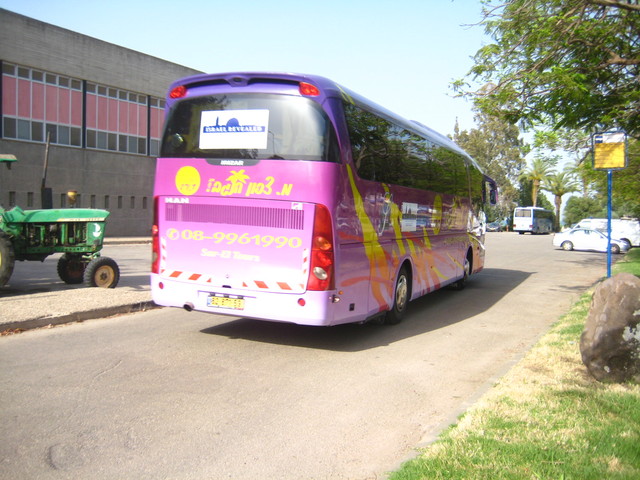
x=493, y=195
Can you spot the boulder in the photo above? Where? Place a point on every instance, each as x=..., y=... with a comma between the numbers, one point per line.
x=610, y=342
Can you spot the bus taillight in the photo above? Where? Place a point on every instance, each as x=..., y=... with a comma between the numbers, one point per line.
x=155, y=241
x=309, y=89
x=321, y=275
x=178, y=92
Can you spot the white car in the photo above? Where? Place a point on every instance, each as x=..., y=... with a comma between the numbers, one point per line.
x=588, y=239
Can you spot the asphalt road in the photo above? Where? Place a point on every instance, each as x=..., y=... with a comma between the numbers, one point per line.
x=134, y=262
x=167, y=394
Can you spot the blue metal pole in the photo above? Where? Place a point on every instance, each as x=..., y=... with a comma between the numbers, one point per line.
x=609, y=188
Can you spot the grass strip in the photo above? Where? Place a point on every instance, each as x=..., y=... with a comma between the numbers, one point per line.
x=546, y=419
x=630, y=263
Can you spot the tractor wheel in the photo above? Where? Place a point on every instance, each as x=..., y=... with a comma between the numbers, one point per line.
x=7, y=259
x=102, y=272
x=71, y=268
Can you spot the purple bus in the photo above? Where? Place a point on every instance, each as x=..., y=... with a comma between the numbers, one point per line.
x=289, y=198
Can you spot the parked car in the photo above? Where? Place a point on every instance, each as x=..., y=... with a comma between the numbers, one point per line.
x=494, y=227
x=624, y=229
x=588, y=239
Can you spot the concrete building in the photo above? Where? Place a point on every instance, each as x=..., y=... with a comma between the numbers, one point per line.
x=101, y=107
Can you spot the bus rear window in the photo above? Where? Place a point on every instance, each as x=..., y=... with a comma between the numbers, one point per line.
x=249, y=126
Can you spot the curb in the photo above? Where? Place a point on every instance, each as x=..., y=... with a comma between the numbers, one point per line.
x=79, y=316
x=126, y=241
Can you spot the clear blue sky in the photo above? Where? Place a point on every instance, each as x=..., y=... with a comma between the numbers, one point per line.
x=402, y=54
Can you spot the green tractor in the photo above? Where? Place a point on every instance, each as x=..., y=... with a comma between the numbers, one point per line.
x=77, y=233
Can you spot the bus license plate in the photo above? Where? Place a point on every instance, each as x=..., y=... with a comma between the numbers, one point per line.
x=226, y=301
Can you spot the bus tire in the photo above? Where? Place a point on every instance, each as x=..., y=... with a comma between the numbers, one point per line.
x=102, y=272
x=615, y=249
x=568, y=246
x=401, y=295
x=71, y=268
x=7, y=259
x=466, y=267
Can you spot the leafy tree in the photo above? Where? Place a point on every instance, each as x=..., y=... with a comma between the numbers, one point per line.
x=498, y=148
x=524, y=198
x=539, y=170
x=561, y=63
x=578, y=208
x=559, y=184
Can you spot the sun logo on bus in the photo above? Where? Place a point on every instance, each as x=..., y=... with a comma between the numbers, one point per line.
x=188, y=180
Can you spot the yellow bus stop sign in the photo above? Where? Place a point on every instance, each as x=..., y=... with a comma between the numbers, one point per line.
x=609, y=151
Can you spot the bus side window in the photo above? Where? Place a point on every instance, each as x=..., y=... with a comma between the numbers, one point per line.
x=386, y=152
x=368, y=134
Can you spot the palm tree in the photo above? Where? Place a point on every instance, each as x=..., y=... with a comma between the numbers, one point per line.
x=539, y=170
x=559, y=184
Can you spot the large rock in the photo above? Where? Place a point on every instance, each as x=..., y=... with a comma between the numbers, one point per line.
x=610, y=342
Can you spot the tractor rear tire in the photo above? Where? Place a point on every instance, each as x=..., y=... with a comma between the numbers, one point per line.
x=7, y=259
x=71, y=268
x=102, y=272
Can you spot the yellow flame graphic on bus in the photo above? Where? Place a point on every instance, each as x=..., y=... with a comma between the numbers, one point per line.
x=378, y=263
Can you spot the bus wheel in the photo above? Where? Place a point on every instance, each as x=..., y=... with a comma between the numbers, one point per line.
x=568, y=246
x=460, y=284
x=615, y=248
x=401, y=299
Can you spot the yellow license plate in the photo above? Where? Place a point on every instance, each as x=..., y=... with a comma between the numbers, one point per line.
x=225, y=301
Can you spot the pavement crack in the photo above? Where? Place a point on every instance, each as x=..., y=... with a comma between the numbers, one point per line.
x=107, y=370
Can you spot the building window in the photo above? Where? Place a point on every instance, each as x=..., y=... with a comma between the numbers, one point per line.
x=37, y=103
x=9, y=129
x=116, y=120
x=106, y=202
x=32, y=98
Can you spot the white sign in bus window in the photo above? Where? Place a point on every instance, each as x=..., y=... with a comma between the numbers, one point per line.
x=228, y=129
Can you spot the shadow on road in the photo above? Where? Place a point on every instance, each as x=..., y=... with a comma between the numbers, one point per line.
x=430, y=312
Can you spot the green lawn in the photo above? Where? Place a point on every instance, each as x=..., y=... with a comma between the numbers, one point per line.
x=630, y=263
x=546, y=419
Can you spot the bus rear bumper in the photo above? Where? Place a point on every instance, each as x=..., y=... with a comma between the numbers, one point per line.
x=308, y=308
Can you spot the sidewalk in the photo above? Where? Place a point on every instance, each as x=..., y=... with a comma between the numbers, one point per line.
x=76, y=304
x=125, y=240
x=54, y=308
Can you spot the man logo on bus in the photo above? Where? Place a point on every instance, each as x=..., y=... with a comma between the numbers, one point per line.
x=188, y=180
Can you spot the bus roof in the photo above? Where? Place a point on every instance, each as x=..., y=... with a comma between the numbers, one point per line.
x=328, y=88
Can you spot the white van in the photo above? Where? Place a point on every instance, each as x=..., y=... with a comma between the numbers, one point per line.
x=628, y=230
